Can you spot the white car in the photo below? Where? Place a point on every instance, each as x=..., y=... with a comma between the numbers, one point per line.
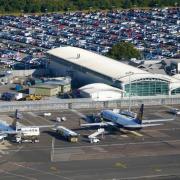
x=47, y=114
x=94, y=140
x=175, y=111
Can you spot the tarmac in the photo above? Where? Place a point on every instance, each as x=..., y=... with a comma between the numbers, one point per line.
x=151, y=153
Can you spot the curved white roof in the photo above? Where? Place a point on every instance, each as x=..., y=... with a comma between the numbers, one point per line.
x=95, y=62
x=104, y=65
x=97, y=87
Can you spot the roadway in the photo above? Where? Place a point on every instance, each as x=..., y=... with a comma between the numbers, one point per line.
x=153, y=153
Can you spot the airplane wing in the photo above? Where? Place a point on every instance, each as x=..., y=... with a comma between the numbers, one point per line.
x=8, y=132
x=158, y=120
x=43, y=126
x=95, y=124
x=149, y=125
x=140, y=125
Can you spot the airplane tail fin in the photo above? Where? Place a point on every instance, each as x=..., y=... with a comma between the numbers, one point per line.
x=14, y=124
x=15, y=121
x=139, y=117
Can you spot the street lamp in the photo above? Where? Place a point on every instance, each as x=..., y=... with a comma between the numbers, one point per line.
x=129, y=74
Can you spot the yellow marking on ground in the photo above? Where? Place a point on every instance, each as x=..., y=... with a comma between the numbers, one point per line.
x=121, y=165
x=136, y=133
x=4, y=145
x=131, y=132
x=124, y=135
x=158, y=170
x=53, y=168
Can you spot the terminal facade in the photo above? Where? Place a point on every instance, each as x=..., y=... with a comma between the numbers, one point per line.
x=86, y=67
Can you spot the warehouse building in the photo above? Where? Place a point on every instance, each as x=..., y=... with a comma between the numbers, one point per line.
x=87, y=67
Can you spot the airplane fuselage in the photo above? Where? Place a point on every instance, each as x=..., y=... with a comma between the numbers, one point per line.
x=120, y=120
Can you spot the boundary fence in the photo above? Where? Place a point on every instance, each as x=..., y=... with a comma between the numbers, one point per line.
x=63, y=104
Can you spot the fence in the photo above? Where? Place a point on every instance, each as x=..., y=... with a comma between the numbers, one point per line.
x=63, y=104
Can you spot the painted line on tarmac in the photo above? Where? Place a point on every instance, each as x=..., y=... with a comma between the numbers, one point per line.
x=122, y=144
x=41, y=171
x=150, y=176
x=100, y=145
x=131, y=132
x=17, y=175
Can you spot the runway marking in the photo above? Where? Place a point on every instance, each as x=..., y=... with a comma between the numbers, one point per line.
x=150, y=176
x=136, y=133
x=158, y=170
x=41, y=171
x=98, y=145
x=17, y=175
x=124, y=135
x=121, y=165
x=122, y=144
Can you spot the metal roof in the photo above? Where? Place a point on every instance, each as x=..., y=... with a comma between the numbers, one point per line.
x=98, y=87
x=103, y=65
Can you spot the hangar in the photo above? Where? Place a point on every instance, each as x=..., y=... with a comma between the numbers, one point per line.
x=100, y=92
x=87, y=67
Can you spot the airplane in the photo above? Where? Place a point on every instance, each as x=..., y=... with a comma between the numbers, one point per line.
x=121, y=121
x=19, y=130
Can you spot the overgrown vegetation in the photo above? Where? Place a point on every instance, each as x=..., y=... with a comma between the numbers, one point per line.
x=124, y=51
x=33, y=6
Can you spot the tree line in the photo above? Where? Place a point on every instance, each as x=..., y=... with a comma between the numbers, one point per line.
x=34, y=6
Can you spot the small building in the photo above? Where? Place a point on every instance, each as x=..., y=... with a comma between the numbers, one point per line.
x=44, y=90
x=100, y=92
x=64, y=83
x=172, y=66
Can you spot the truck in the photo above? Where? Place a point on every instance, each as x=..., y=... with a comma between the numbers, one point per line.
x=22, y=139
x=27, y=134
x=68, y=134
x=8, y=96
x=32, y=97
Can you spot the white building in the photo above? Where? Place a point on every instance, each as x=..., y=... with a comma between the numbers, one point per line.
x=87, y=67
x=100, y=92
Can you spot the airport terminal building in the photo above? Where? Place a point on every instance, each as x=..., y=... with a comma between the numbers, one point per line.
x=87, y=67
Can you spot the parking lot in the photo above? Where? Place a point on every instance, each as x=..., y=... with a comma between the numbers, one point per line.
x=32, y=35
x=156, y=150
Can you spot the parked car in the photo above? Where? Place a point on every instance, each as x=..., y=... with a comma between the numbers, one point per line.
x=175, y=111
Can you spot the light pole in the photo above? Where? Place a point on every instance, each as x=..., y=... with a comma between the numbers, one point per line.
x=129, y=74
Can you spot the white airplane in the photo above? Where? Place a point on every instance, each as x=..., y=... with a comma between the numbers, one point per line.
x=17, y=128
x=121, y=121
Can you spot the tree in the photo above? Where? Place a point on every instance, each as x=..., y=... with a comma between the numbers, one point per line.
x=123, y=51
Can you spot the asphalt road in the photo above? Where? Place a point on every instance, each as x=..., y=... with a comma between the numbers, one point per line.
x=153, y=153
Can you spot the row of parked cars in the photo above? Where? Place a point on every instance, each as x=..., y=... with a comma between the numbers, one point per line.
x=155, y=32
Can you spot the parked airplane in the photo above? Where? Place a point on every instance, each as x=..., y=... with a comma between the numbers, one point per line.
x=121, y=121
x=21, y=132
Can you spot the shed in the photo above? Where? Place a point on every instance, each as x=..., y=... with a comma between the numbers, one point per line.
x=44, y=90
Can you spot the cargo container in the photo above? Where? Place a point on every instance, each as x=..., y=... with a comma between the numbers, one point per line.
x=18, y=87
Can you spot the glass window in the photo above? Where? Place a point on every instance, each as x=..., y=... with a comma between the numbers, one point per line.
x=147, y=87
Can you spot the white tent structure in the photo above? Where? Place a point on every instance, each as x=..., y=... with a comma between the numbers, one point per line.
x=100, y=92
